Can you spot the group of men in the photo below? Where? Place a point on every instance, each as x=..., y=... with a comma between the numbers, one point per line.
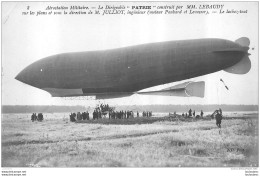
x=104, y=107
x=79, y=116
x=120, y=114
x=217, y=114
x=97, y=114
x=103, y=110
x=193, y=114
x=147, y=114
x=34, y=117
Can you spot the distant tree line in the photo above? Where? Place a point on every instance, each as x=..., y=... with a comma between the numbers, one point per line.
x=6, y=109
x=185, y=108
x=155, y=108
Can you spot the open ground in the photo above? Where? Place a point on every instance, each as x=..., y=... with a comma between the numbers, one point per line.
x=138, y=142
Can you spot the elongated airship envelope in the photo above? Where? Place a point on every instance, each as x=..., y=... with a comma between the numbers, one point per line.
x=124, y=71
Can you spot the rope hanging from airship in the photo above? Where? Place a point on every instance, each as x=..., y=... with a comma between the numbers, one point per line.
x=224, y=84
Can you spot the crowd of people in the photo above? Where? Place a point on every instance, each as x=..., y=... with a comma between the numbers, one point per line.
x=105, y=111
x=101, y=111
x=147, y=113
x=98, y=114
x=120, y=114
x=217, y=114
x=191, y=114
x=38, y=117
x=79, y=116
x=103, y=107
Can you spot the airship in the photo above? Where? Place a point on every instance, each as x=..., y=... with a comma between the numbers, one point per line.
x=121, y=72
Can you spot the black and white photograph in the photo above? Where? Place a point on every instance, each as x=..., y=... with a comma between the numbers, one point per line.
x=129, y=84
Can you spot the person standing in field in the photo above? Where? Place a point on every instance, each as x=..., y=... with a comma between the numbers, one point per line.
x=79, y=117
x=190, y=111
x=87, y=115
x=218, y=119
x=201, y=114
x=72, y=117
x=220, y=111
x=32, y=117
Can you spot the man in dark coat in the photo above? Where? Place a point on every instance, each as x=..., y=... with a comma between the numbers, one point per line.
x=94, y=114
x=218, y=119
x=79, y=116
x=190, y=111
x=201, y=113
x=72, y=117
x=40, y=117
x=32, y=117
x=84, y=116
x=87, y=115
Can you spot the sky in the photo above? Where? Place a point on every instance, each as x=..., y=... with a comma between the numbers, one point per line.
x=28, y=38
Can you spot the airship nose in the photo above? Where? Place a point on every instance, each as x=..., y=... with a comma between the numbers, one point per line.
x=28, y=76
x=23, y=77
x=37, y=74
x=18, y=77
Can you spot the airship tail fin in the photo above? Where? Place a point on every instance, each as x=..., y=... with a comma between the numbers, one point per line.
x=196, y=89
x=242, y=67
x=187, y=89
x=243, y=41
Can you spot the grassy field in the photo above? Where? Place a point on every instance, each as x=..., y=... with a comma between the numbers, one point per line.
x=139, y=142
